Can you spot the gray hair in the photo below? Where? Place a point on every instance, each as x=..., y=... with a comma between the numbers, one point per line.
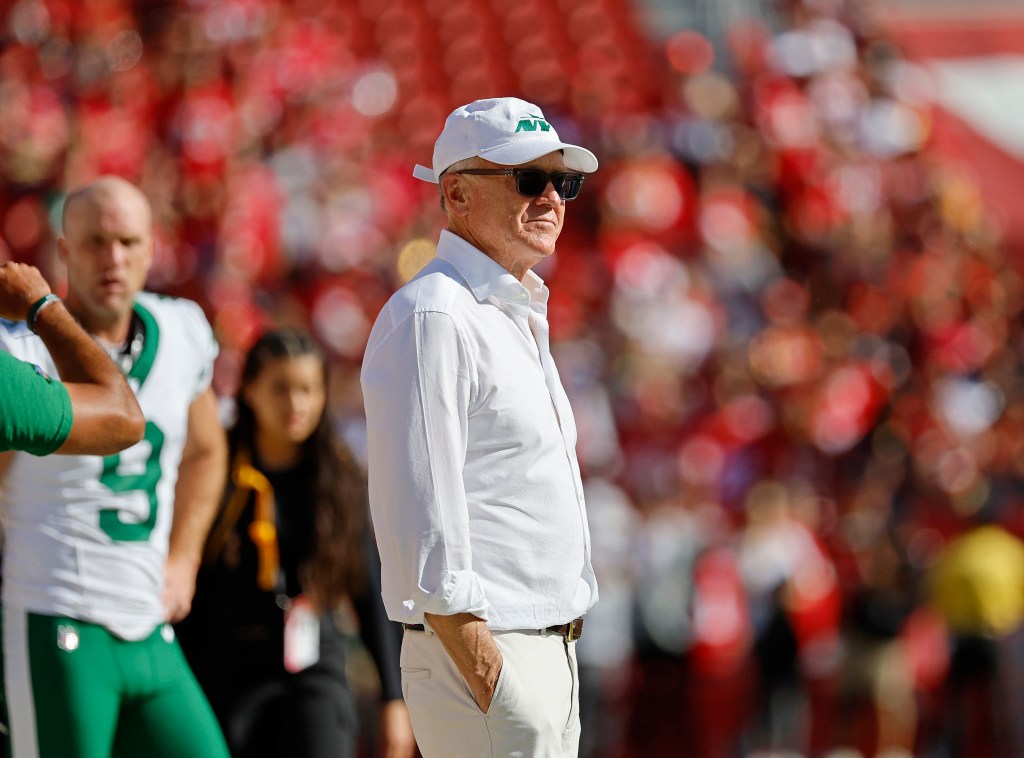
x=457, y=166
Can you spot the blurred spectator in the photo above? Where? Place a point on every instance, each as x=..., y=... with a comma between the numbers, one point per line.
x=605, y=659
x=794, y=599
x=876, y=703
x=289, y=548
x=978, y=586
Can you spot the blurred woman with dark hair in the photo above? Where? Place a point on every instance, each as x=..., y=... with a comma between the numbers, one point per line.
x=290, y=544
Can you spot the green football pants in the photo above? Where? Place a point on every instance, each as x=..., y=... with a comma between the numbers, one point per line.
x=74, y=690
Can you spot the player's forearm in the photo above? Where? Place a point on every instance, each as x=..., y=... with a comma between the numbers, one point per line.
x=104, y=406
x=77, y=356
x=201, y=478
x=470, y=645
x=197, y=493
x=106, y=415
x=6, y=459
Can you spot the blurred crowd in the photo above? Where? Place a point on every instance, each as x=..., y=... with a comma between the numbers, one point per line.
x=789, y=329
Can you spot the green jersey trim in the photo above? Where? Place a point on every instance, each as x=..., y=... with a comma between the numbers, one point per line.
x=144, y=364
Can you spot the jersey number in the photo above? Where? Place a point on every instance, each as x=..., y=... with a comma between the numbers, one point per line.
x=110, y=518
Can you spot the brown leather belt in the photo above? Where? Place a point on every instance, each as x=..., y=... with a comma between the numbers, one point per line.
x=571, y=631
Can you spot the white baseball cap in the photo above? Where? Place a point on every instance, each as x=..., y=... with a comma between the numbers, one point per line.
x=503, y=130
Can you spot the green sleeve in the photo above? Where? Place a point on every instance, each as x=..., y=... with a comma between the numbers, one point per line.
x=35, y=410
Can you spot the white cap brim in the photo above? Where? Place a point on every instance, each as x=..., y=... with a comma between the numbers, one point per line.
x=523, y=151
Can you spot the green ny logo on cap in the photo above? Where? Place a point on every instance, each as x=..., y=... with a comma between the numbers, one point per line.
x=530, y=123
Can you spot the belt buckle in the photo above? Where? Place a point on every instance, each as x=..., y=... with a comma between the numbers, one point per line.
x=575, y=629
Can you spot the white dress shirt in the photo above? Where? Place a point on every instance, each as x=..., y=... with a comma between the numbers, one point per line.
x=475, y=490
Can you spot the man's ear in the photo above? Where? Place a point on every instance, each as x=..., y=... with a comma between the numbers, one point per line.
x=456, y=194
x=62, y=250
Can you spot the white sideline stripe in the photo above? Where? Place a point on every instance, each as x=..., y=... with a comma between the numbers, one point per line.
x=21, y=708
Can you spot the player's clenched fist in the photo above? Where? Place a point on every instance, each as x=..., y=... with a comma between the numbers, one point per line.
x=21, y=286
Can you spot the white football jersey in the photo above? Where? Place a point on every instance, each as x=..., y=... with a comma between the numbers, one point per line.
x=86, y=536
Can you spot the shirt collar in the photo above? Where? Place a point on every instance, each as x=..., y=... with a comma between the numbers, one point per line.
x=485, y=278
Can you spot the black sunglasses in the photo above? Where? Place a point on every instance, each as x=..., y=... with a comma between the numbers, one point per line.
x=531, y=182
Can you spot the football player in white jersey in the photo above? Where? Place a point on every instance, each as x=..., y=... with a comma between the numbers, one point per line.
x=101, y=552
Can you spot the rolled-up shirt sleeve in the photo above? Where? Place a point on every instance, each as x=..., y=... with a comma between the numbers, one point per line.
x=35, y=411
x=417, y=385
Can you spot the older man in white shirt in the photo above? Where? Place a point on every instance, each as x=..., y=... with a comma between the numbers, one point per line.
x=475, y=489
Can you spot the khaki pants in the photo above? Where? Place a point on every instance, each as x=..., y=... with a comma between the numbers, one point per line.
x=534, y=712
